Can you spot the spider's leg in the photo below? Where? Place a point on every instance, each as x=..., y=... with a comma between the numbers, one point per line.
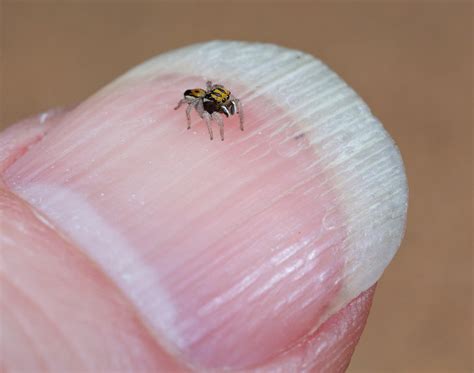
x=188, y=113
x=182, y=101
x=207, y=118
x=240, y=110
x=199, y=108
x=218, y=118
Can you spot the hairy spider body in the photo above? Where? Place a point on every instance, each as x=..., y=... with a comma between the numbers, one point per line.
x=210, y=104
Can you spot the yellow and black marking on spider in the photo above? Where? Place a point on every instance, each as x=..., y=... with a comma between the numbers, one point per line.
x=210, y=103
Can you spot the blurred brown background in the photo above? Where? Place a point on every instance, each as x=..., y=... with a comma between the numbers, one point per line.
x=412, y=63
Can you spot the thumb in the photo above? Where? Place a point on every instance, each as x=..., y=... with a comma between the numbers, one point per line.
x=234, y=252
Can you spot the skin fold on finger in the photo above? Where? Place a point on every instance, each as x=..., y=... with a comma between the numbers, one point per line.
x=232, y=252
x=58, y=310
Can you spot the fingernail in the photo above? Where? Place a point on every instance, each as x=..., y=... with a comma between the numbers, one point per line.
x=232, y=251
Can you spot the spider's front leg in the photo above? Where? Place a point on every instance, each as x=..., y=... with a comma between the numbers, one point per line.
x=207, y=118
x=218, y=118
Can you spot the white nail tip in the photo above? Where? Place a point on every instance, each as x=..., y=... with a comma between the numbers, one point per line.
x=351, y=143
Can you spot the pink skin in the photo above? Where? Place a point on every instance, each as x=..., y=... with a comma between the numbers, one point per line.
x=177, y=277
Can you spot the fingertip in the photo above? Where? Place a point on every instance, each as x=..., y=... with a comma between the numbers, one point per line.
x=219, y=242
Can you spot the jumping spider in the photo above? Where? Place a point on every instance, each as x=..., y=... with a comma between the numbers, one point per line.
x=210, y=104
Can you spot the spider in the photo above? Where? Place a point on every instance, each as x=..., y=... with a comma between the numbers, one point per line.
x=210, y=104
